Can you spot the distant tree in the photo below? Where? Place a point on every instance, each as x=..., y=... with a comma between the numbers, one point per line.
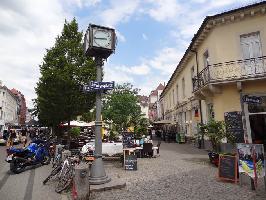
x=63, y=70
x=121, y=107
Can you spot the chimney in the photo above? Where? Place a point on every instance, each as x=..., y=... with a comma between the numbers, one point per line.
x=164, y=84
x=1, y=83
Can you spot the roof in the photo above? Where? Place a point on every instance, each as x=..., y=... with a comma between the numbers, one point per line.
x=201, y=29
x=160, y=87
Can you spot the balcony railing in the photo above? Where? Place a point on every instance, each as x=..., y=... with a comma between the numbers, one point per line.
x=230, y=71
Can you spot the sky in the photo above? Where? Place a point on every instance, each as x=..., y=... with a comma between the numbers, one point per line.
x=152, y=36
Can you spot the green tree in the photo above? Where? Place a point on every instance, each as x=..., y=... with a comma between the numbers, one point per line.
x=64, y=69
x=120, y=106
x=141, y=127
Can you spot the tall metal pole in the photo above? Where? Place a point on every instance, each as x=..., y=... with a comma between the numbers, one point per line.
x=97, y=174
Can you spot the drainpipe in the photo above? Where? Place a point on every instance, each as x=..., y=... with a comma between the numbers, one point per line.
x=200, y=107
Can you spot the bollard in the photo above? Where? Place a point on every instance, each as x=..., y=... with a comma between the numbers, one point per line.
x=81, y=182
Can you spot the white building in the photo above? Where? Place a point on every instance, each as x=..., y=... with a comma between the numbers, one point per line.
x=144, y=105
x=8, y=108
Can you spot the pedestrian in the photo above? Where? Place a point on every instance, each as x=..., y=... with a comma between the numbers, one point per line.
x=24, y=137
x=12, y=136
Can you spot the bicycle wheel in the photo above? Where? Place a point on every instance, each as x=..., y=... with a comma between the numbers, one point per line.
x=65, y=180
x=53, y=173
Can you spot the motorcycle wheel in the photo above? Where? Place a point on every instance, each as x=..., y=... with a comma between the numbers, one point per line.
x=46, y=160
x=17, y=165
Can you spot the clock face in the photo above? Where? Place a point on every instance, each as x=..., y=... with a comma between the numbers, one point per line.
x=102, y=38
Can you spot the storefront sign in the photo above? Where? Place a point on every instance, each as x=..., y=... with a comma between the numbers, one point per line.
x=227, y=169
x=252, y=99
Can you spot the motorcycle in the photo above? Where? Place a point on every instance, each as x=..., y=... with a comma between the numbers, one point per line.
x=35, y=153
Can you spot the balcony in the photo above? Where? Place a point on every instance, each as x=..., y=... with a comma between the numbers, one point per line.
x=232, y=71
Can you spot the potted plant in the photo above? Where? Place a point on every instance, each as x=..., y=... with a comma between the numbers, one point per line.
x=215, y=131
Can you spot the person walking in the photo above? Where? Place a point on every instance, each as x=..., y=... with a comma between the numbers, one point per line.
x=24, y=137
x=12, y=136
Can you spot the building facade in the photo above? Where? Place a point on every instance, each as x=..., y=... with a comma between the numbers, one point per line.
x=222, y=74
x=22, y=106
x=144, y=105
x=154, y=105
x=8, y=108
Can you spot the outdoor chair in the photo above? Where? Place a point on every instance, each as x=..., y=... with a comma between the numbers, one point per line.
x=147, y=150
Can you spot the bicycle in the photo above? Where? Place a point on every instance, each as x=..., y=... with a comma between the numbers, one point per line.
x=67, y=173
x=57, y=165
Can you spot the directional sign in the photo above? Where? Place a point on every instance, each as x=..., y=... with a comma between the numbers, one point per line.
x=94, y=86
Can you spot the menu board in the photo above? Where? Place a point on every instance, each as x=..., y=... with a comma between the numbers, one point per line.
x=131, y=162
x=234, y=125
x=128, y=139
x=227, y=169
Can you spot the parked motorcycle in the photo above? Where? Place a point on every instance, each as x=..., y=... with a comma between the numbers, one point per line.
x=35, y=153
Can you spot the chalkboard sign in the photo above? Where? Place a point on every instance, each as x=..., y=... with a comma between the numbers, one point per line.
x=234, y=125
x=131, y=162
x=128, y=139
x=227, y=169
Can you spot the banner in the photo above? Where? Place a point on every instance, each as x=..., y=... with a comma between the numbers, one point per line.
x=251, y=160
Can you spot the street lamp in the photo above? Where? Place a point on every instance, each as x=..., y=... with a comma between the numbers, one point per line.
x=99, y=42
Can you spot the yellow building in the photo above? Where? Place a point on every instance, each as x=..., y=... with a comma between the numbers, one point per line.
x=222, y=74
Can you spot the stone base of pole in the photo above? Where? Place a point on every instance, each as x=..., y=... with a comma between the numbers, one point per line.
x=97, y=173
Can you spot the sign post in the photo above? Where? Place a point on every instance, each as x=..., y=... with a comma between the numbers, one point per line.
x=99, y=42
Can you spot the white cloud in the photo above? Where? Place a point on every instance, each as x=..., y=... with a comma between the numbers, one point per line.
x=165, y=60
x=163, y=10
x=120, y=37
x=144, y=36
x=120, y=11
x=27, y=28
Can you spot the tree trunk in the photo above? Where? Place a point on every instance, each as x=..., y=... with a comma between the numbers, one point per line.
x=68, y=134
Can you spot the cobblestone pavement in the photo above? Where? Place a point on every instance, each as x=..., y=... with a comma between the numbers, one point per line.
x=180, y=172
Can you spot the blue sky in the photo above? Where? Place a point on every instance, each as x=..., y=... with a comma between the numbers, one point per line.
x=152, y=36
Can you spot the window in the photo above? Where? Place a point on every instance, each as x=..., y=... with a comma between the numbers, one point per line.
x=206, y=58
x=173, y=94
x=192, y=76
x=251, y=45
x=183, y=88
x=177, y=99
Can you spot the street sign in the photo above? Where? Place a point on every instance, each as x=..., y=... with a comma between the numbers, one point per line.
x=94, y=86
x=252, y=99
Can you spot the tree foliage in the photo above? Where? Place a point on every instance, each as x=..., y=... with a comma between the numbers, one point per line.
x=63, y=70
x=120, y=106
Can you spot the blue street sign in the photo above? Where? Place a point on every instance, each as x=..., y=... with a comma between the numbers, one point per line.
x=94, y=86
x=252, y=99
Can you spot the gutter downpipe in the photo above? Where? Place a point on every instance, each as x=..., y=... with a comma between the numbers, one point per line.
x=201, y=144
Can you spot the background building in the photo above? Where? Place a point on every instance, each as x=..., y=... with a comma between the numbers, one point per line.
x=154, y=105
x=9, y=108
x=22, y=106
x=144, y=104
